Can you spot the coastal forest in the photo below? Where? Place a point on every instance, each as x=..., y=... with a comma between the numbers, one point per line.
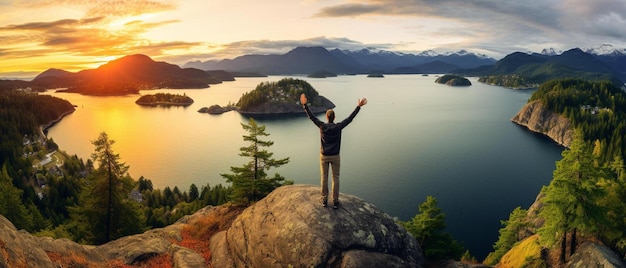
x=586, y=198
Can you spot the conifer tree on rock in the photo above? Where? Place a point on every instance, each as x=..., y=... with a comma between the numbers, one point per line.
x=250, y=182
x=105, y=212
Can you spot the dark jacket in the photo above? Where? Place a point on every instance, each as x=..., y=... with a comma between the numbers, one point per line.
x=330, y=133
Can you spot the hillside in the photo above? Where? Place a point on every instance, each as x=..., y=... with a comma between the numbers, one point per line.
x=522, y=70
x=127, y=75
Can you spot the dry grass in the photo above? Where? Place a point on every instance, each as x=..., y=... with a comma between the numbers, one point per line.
x=71, y=260
x=197, y=234
x=526, y=253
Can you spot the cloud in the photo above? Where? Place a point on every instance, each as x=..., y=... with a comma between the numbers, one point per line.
x=510, y=24
x=96, y=8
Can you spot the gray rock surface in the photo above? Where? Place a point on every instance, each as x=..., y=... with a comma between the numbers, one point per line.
x=594, y=255
x=536, y=118
x=291, y=228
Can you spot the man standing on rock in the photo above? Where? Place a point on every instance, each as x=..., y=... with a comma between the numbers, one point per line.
x=330, y=134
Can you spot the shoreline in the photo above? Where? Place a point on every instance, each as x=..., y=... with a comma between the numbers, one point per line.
x=43, y=128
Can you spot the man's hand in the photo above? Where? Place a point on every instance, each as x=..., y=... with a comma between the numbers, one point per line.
x=303, y=99
x=362, y=102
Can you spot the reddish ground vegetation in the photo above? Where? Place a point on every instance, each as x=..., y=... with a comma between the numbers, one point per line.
x=197, y=234
x=161, y=261
x=69, y=260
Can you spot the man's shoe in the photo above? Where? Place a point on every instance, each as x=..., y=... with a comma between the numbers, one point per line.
x=324, y=201
x=336, y=204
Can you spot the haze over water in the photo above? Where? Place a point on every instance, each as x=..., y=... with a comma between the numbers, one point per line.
x=414, y=138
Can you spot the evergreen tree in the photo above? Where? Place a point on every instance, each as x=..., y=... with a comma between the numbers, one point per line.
x=428, y=227
x=570, y=202
x=250, y=182
x=11, y=205
x=105, y=212
x=509, y=235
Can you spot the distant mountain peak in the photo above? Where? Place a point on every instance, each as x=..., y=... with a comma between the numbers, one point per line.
x=551, y=51
x=605, y=50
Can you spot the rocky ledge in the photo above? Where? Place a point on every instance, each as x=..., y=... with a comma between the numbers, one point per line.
x=537, y=118
x=287, y=228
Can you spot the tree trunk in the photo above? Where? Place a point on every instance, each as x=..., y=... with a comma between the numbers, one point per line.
x=572, y=243
x=563, y=248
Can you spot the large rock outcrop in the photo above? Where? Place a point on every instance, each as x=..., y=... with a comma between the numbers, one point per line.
x=21, y=249
x=291, y=228
x=537, y=118
x=288, y=227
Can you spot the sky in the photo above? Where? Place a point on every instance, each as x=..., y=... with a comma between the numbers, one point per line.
x=81, y=34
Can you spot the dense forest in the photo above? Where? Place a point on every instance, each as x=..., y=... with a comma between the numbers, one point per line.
x=598, y=108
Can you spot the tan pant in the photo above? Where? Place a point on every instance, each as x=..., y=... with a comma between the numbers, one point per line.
x=334, y=162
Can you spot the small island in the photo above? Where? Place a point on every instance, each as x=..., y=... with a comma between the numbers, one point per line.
x=164, y=99
x=217, y=109
x=375, y=75
x=322, y=74
x=453, y=80
x=281, y=98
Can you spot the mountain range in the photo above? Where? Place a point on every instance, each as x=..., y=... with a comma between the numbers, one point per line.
x=307, y=60
x=536, y=68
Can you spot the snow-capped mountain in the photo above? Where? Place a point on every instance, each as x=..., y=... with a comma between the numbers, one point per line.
x=605, y=49
x=551, y=51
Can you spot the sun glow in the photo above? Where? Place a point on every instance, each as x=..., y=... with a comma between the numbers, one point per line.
x=123, y=22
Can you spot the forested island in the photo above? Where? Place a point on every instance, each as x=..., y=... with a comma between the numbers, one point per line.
x=453, y=80
x=281, y=98
x=164, y=99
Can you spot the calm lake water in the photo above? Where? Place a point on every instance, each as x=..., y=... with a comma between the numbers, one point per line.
x=414, y=138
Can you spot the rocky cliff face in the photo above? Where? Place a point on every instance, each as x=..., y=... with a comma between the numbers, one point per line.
x=536, y=118
x=291, y=228
x=288, y=227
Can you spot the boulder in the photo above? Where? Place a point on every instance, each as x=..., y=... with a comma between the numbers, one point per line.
x=290, y=227
x=537, y=118
x=590, y=254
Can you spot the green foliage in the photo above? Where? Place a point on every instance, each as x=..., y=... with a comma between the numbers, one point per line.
x=105, y=212
x=11, y=205
x=285, y=90
x=597, y=108
x=509, y=235
x=428, y=227
x=250, y=182
x=571, y=200
x=164, y=98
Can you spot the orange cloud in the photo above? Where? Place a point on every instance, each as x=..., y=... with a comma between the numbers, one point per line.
x=111, y=30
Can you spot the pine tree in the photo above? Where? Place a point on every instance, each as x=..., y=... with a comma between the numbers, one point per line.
x=250, y=182
x=428, y=227
x=509, y=235
x=11, y=205
x=570, y=202
x=105, y=212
